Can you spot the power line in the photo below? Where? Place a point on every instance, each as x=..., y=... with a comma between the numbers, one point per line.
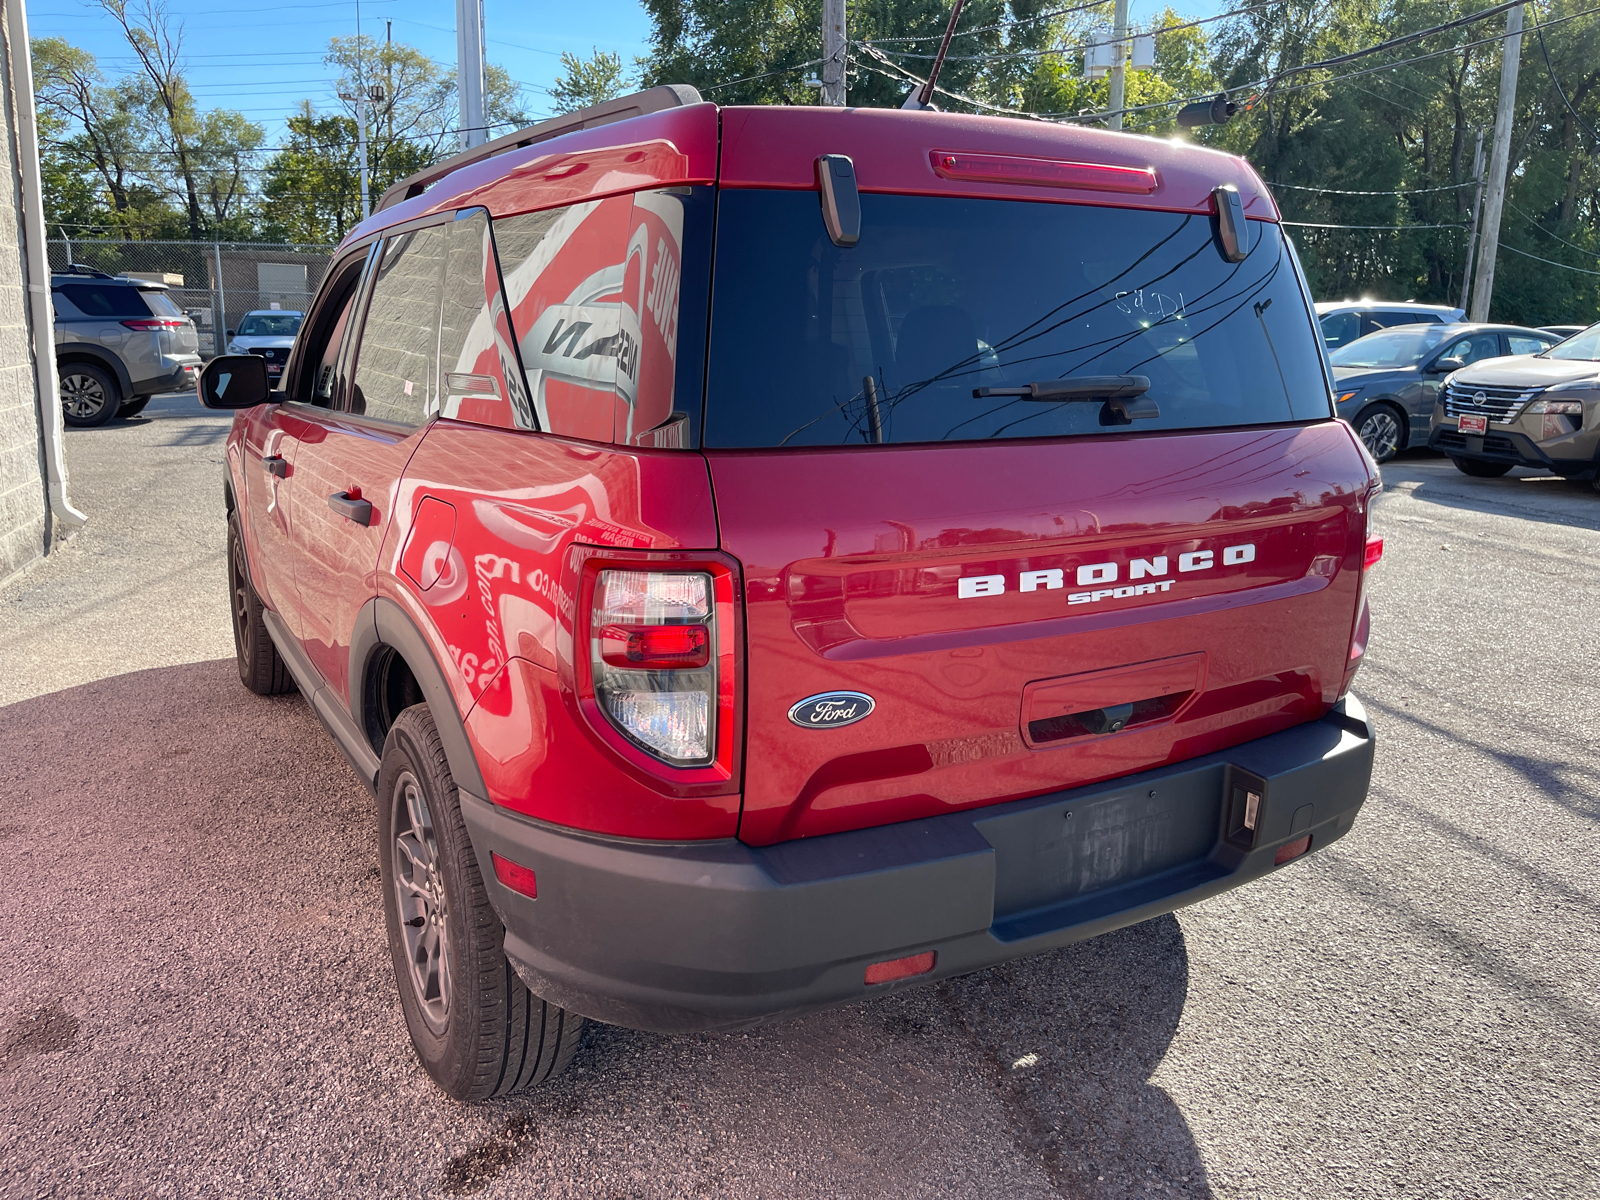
x=934, y=37
x=1446, y=187
x=1532, y=220
x=767, y=75
x=1548, y=261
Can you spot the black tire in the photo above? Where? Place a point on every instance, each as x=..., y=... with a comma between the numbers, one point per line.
x=1382, y=427
x=133, y=407
x=1480, y=468
x=261, y=668
x=89, y=397
x=475, y=1026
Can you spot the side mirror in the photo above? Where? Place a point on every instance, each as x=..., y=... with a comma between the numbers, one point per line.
x=228, y=332
x=1443, y=366
x=235, y=381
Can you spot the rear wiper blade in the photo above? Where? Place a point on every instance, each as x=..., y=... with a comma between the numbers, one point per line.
x=1124, y=395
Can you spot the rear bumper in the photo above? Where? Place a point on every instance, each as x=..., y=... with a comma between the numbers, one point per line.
x=687, y=936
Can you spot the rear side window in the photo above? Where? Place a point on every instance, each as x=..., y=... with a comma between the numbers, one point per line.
x=814, y=344
x=395, y=359
x=102, y=300
x=1472, y=349
x=1524, y=344
x=608, y=301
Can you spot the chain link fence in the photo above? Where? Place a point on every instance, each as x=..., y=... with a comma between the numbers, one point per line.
x=215, y=282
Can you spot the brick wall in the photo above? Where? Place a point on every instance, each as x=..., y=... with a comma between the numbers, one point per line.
x=23, y=509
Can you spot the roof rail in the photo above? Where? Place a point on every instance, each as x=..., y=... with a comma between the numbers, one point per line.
x=668, y=95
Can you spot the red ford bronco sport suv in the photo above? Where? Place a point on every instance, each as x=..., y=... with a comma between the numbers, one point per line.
x=762, y=558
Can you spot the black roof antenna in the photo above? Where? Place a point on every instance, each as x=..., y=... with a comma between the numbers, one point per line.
x=923, y=96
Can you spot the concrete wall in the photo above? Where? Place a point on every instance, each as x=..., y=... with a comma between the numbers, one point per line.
x=24, y=510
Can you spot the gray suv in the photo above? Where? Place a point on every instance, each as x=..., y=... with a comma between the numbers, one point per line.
x=1534, y=410
x=118, y=342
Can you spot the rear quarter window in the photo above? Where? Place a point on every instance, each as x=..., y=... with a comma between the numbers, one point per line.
x=943, y=295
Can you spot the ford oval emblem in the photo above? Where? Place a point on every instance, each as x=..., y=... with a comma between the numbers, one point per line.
x=829, y=710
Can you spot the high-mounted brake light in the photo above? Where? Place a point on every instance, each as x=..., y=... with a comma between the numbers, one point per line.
x=154, y=323
x=1045, y=172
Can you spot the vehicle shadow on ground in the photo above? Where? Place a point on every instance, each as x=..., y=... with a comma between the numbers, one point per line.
x=1531, y=495
x=241, y=970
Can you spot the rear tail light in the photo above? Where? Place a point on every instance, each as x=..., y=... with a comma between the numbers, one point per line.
x=901, y=968
x=155, y=323
x=652, y=658
x=1372, y=554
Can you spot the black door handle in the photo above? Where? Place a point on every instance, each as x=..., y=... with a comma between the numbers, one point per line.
x=352, y=507
x=275, y=465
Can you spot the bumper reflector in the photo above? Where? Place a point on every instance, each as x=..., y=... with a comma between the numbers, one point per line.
x=515, y=876
x=1374, y=552
x=1291, y=850
x=901, y=968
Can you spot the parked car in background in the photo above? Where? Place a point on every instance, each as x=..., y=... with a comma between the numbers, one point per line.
x=1342, y=322
x=1565, y=331
x=269, y=332
x=1385, y=384
x=1540, y=410
x=746, y=593
x=118, y=342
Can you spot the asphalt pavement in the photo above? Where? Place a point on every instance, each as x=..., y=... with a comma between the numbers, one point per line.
x=196, y=998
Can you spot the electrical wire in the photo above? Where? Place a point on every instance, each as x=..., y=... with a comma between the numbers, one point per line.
x=1534, y=221
x=1447, y=187
x=1548, y=261
x=1318, y=225
x=1548, y=66
x=815, y=62
x=934, y=37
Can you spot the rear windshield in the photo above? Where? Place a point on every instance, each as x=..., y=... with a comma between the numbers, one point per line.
x=105, y=299
x=942, y=296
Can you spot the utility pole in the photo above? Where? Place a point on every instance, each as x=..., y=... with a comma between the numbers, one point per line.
x=469, y=72
x=833, y=52
x=360, y=96
x=1119, y=65
x=1477, y=208
x=1499, y=161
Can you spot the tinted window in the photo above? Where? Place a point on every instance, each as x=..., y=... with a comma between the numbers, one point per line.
x=1389, y=348
x=395, y=359
x=161, y=304
x=1340, y=328
x=479, y=377
x=270, y=325
x=103, y=300
x=1522, y=343
x=812, y=344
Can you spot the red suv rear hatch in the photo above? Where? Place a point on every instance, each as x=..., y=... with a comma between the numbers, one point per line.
x=1034, y=593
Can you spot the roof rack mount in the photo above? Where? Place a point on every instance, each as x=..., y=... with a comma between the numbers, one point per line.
x=667, y=95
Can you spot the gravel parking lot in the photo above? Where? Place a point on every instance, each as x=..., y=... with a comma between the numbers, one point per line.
x=197, y=1000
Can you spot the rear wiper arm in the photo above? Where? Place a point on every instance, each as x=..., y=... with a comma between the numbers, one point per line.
x=1124, y=395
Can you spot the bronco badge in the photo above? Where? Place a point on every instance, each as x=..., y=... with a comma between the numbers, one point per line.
x=828, y=710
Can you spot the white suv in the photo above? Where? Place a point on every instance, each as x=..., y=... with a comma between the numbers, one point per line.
x=1344, y=321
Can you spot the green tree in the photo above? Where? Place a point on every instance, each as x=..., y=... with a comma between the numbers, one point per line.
x=588, y=81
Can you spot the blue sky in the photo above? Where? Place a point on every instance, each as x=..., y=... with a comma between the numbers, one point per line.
x=262, y=59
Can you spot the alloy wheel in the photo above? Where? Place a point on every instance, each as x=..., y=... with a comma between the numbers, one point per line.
x=1381, y=433
x=421, y=901
x=82, y=396
x=240, y=580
